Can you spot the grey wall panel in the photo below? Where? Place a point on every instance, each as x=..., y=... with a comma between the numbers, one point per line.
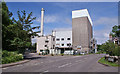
x=81, y=32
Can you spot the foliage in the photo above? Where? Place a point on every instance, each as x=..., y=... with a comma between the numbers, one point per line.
x=9, y=57
x=111, y=48
x=62, y=54
x=52, y=54
x=16, y=34
x=115, y=31
x=103, y=61
x=6, y=21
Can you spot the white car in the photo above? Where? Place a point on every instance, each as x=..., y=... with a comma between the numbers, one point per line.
x=82, y=53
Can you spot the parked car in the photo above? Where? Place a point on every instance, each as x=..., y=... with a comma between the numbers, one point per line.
x=82, y=53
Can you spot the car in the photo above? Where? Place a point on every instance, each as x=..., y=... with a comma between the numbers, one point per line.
x=82, y=53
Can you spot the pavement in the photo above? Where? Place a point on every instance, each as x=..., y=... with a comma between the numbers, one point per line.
x=85, y=63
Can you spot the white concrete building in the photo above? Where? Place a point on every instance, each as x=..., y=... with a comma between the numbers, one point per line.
x=63, y=41
x=45, y=44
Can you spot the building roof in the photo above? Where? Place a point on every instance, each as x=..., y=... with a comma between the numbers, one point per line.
x=81, y=13
x=63, y=29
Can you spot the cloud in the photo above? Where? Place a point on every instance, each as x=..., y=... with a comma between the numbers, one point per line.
x=102, y=35
x=51, y=18
x=34, y=40
x=104, y=25
x=38, y=19
x=106, y=21
x=48, y=19
x=68, y=21
x=106, y=35
x=55, y=19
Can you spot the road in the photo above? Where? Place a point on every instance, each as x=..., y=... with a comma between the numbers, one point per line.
x=85, y=63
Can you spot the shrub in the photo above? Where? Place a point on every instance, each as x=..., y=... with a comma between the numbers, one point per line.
x=9, y=57
x=62, y=54
x=39, y=53
x=52, y=54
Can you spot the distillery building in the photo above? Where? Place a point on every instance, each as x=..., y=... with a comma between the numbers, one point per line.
x=81, y=30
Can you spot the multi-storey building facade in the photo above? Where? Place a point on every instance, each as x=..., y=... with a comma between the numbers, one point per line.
x=45, y=43
x=63, y=40
x=81, y=30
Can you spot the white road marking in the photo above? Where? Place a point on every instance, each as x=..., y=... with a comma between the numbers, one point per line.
x=78, y=60
x=36, y=64
x=64, y=65
x=46, y=71
x=19, y=65
x=4, y=68
x=85, y=58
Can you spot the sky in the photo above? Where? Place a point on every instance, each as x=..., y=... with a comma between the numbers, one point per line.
x=58, y=15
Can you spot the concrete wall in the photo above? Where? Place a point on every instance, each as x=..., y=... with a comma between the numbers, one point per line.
x=81, y=29
x=63, y=34
x=41, y=43
x=81, y=33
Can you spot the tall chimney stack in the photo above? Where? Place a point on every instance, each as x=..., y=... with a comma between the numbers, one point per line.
x=42, y=21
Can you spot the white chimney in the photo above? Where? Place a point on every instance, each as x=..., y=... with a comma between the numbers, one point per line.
x=42, y=21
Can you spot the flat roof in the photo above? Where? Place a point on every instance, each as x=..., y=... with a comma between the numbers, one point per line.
x=81, y=13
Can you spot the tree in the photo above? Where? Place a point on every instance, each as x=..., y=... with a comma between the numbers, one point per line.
x=25, y=23
x=6, y=21
x=16, y=34
x=25, y=30
x=116, y=31
x=111, y=48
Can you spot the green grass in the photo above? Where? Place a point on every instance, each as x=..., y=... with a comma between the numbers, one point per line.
x=103, y=61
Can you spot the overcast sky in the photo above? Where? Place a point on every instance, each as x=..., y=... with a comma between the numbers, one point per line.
x=59, y=15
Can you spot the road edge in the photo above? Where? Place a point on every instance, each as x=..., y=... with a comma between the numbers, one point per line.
x=103, y=63
x=13, y=64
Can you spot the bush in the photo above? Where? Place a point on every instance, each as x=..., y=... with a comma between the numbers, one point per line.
x=111, y=49
x=52, y=54
x=62, y=54
x=9, y=57
x=39, y=53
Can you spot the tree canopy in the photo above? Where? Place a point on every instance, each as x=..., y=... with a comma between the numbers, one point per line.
x=17, y=34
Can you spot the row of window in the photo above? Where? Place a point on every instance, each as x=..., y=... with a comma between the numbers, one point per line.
x=62, y=39
x=69, y=44
x=51, y=48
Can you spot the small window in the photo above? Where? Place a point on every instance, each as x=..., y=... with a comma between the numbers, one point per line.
x=53, y=46
x=46, y=41
x=62, y=39
x=41, y=50
x=68, y=38
x=45, y=45
x=62, y=44
x=57, y=39
x=68, y=44
x=53, y=39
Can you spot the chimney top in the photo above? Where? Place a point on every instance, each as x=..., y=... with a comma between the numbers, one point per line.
x=42, y=9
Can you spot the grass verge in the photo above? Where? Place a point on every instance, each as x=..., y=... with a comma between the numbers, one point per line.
x=103, y=61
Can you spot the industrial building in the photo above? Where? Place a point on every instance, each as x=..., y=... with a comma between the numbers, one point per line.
x=81, y=30
x=79, y=39
x=46, y=44
x=63, y=41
